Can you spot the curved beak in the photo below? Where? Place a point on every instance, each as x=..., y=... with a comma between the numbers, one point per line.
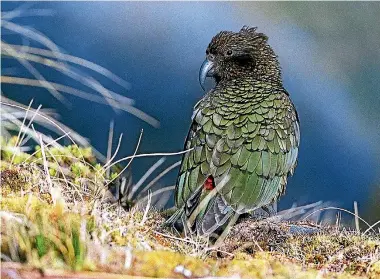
x=206, y=70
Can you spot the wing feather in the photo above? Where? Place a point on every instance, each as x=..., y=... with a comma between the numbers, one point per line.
x=253, y=146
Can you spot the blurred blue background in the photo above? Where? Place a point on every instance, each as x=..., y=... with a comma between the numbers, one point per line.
x=329, y=53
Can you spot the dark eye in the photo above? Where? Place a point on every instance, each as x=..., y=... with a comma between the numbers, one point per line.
x=229, y=52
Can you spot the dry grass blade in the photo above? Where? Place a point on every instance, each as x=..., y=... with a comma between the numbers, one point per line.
x=84, y=95
x=356, y=210
x=149, y=155
x=145, y=176
x=32, y=34
x=47, y=145
x=46, y=168
x=296, y=211
x=12, y=123
x=59, y=87
x=25, y=55
x=15, y=12
x=158, y=177
x=155, y=193
x=78, y=61
x=39, y=77
x=109, y=161
x=25, y=10
x=202, y=205
x=63, y=68
x=68, y=157
x=20, y=130
x=109, y=146
x=341, y=209
x=126, y=167
x=26, y=13
x=30, y=122
x=372, y=227
x=231, y=223
x=146, y=209
x=49, y=123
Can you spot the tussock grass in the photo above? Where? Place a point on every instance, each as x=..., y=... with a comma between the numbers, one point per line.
x=58, y=213
x=75, y=224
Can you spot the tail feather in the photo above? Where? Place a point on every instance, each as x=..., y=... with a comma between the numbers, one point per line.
x=203, y=212
x=177, y=220
x=215, y=216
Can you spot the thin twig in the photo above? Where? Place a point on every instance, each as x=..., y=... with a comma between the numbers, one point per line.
x=116, y=151
x=19, y=131
x=47, y=145
x=146, y=209
x=46, y=168
x=132, y=157
x=30, y=122
x=109, y=146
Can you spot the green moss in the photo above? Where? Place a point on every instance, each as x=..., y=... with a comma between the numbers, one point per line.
x=328, y=248
x=61, y=221
x=374, y=271
x=164, y=264
x=46, y=229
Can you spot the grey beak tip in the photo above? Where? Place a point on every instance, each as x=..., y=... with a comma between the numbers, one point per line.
x=204, y=72
x=203, y=87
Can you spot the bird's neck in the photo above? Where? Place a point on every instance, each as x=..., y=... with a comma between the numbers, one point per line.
x=250, y=80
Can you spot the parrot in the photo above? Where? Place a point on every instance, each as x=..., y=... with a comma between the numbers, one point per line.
x=244, y=137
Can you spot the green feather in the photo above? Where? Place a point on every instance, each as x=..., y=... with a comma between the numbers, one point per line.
x=235, y=157
x=224, y=157
x=270, y=145
x=193, y=178
x=255, y=143
x=207, y=126
x=251, y=126
x=253, y=161
x=234, y=175
x=205, y=167
x=216, y=118
x=211, y=140
x=266, y=158
x=273, y=165
x=197, y=154
x=244, y=155
x=222, y=169
x=263, y=144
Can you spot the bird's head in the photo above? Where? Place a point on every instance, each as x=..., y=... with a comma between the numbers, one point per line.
x=231, y=55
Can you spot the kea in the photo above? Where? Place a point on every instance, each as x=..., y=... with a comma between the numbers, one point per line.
x=243, y=141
